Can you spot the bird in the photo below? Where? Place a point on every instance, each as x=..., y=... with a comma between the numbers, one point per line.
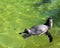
x=39, y=29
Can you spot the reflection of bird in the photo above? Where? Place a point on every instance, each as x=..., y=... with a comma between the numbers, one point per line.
x=39, y=29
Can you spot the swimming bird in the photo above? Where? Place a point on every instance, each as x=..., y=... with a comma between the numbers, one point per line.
x=40, y=29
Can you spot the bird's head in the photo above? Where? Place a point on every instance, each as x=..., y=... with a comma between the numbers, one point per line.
x=49, y=22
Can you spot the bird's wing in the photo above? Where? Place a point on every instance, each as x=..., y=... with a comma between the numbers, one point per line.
x=49, y=36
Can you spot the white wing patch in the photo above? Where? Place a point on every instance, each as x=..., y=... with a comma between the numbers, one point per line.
x=43, y=28
x=39, y=29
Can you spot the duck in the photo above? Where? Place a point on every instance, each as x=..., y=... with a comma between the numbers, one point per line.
x=39, y=29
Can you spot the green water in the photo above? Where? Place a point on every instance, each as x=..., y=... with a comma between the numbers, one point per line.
x=16, y=15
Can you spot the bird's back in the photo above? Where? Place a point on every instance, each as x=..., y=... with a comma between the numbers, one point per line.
x=39, y=29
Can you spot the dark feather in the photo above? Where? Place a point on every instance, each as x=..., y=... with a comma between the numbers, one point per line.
x=49, y=36
x=26, y=35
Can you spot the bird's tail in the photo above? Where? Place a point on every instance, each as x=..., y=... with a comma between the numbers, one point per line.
x=26, y=35
x=21, y=32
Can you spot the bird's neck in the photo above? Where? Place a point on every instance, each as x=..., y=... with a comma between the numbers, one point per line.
x=49, y=24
